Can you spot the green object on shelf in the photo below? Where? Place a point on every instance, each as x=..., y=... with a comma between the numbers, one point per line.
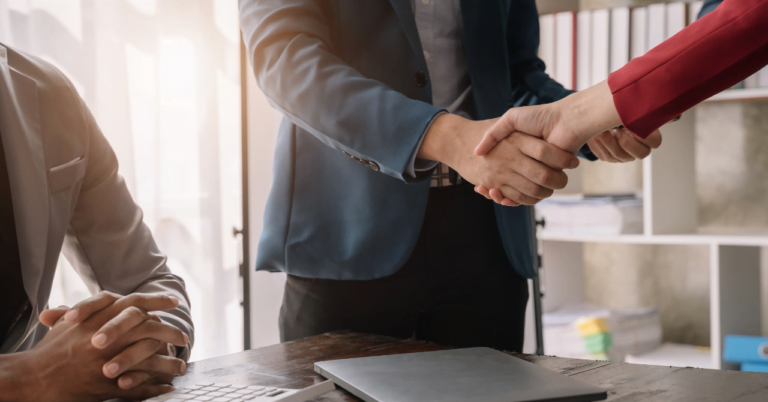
x=598, y=343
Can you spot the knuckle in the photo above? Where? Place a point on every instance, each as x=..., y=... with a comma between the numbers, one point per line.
x=135, y=312
x=545, y=177
x=539, y=151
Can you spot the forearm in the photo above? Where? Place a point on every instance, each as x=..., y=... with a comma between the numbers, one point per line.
x=290, y=46
x=589, y=112
x=710, y=55
x=15, y=378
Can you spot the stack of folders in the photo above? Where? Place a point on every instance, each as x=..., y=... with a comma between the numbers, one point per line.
x=591, y=216
x=590, y=332
x=749, y=351
x=581, y=48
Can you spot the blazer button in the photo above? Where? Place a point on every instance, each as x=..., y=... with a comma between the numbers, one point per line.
x=373, y=166
x=420, y=79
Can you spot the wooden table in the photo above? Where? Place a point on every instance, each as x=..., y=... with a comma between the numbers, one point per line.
x=290, y=365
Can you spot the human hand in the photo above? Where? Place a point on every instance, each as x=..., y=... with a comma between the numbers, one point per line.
x=568, y=123
x=621, y=145
x=152, y=358
x=524, y=168
x=65, y=366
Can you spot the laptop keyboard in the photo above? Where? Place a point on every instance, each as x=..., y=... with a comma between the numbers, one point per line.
x=215, y=392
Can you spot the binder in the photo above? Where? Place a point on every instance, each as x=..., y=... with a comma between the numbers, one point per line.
x=694, y=8
x=565, y=52
x=657, y=24
x=619, y=37
x=583, y=50
x=755, y=367
x=601, y=27
x=745, y=349
x=639, y=34
x=547, y=43
x=676, y=17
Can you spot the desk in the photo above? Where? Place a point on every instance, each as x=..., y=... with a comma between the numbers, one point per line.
x=290, y=365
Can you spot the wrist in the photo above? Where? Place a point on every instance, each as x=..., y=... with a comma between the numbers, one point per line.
x=15, y=374
x=439, y=142
x=590, y=112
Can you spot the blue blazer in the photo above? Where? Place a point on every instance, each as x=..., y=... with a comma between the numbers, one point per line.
x=348, y=75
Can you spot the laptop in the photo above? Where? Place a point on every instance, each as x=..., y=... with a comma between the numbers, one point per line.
x=460, y=375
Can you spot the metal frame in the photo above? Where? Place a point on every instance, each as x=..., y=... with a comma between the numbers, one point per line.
x=537, y=295
x=245, y=272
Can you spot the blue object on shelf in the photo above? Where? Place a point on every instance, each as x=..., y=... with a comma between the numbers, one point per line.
x=745, y=349
x=755, y=367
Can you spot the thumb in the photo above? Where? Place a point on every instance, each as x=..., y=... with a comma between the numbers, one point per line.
x=51, y=316
x=498, y=131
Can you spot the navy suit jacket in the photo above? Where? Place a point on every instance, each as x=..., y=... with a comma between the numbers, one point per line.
x=348, y=77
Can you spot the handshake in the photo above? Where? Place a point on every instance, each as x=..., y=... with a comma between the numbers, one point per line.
x=519, y=158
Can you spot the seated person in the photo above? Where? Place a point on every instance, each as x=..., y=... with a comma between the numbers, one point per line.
x=59, y=188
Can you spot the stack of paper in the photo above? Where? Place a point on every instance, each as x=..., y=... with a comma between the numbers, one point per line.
x=598, y=216
x=590, y=332
x=675, y=355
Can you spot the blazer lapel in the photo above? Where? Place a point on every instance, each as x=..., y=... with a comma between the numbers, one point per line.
x=485, y=46
x=23, y=142
x=405, y=13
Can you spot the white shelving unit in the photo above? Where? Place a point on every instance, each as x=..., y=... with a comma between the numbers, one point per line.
x=670, y=218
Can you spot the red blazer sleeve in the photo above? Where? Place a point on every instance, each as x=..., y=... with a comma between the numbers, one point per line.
x=712, y=54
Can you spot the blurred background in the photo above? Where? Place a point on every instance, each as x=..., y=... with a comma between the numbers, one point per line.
x=164, y=80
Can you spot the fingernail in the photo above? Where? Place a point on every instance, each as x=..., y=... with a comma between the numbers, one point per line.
x=126, y=382
x=186, y=339
x=71, y=315
x=112, y=368
x=174, y=300
x=100, y=340
x=183, y=368
x=574, y=164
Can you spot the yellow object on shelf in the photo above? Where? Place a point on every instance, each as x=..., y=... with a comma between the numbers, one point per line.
x=588, y=326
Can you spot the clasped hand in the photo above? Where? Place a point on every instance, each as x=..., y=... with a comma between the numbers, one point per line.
x=105, y=338
x=551, y=124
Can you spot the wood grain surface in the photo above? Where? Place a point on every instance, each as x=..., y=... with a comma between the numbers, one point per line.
x=290, y=365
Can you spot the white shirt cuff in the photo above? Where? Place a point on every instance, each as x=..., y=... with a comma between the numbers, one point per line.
x=422, y=165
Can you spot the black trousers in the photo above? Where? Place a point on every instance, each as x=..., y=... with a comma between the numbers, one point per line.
x=457, y=288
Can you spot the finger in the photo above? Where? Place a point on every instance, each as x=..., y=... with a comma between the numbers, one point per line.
x=50, y=317
x=131, y=356
x=509, y=203
x=539, y=174
x=496, y=195
x=118, y=326
x=632, y=144
x=80, y=311
x=498, y=131
x=598, y=149
x=148, y=302
x=547, y=153
x=653, y=140
x=516, y=196
x=611, y=144
x=501, y=200
x=142, y=390
x=159, y=331
x=480, y=189
x=146, y=391
x=162, y=365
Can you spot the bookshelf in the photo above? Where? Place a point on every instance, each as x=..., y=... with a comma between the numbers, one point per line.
x=731, y=95
x=671, y=218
